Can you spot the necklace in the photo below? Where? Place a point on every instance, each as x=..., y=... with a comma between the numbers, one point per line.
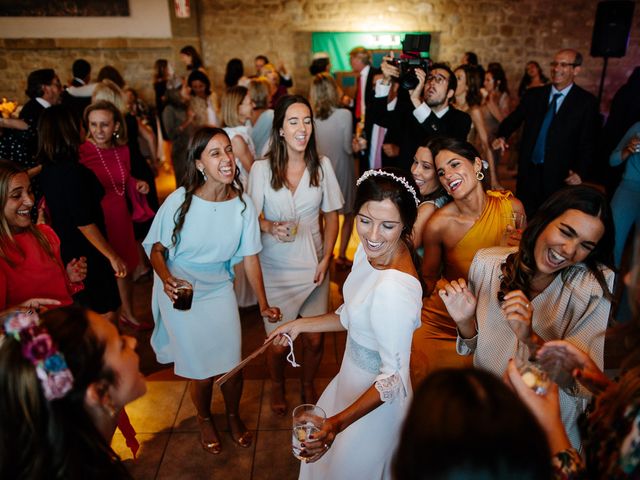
x=120, y=192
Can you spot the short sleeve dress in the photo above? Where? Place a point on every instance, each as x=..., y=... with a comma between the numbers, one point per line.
x=288, y=268
x=205, y=340
x=381, y=311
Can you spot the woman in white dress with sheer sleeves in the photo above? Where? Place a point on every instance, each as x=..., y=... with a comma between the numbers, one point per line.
x=367, y=401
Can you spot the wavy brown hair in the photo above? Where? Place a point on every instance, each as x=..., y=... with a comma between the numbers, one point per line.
x=193, y=179
x=520, y=267
x=278, y=156
x=8, y=243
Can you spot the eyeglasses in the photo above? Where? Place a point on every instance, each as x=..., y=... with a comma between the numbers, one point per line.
x=437, y=79
x=562, y=64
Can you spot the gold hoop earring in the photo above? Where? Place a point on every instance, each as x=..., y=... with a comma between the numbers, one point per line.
x=480, y=175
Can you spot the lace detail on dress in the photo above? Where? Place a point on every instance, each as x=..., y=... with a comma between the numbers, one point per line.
x=390, y=387
x=365, y=358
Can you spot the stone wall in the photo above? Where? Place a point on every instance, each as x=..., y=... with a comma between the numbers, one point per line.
x=507, y=31
x=134, y=58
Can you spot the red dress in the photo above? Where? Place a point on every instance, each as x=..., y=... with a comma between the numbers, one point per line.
x=113, y=169
x=32, y=273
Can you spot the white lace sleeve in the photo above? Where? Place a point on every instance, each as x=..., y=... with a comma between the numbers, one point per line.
x=390, y=387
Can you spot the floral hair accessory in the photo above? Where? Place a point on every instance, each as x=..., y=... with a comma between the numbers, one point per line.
x=377, y=173
x=38, y=347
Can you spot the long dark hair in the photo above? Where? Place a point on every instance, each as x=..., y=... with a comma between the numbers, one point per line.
x=440, y=191
x=277, y=155
x=460, y=147
x=475, y=80
x=57, y=438
x=196, y=60
x=458, y=426
x=499, y=77
x=377, y=188
x=520, y=267
x=193, y=179
x=8, y=244
x=198, y=75
x=234, y=72
x=58, y=136
x=526, y=79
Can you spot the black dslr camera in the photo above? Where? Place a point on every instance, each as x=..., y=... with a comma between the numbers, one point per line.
x=412, y=47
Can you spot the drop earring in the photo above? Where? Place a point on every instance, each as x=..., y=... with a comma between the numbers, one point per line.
x=480, y=175
x=204, y=175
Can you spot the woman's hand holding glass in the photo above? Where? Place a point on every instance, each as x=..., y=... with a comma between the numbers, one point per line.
x=317, y=444
x=77, y=269
x=568, y=358
x=281, y=231
x=460, y=303
x=170, y=287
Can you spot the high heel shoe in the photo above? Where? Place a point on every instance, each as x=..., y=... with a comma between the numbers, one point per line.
x=138, y=327
x=246, y=438
x=210, y=447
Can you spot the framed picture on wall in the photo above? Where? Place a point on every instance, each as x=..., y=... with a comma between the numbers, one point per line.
x=64, y=8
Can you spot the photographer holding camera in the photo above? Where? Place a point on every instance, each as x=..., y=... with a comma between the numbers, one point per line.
x=420, y=112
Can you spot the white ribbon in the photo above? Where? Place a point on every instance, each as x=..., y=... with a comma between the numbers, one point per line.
x=291, y=357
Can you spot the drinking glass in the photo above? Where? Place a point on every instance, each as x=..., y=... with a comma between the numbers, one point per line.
x=514, y=224
x=307, y=419
x=185, y=296
x=291, y=223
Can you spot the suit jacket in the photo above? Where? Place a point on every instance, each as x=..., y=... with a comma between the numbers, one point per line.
x=409, y=133
x=571, y=141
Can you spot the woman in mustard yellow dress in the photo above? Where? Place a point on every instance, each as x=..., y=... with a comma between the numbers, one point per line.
x=475, y=219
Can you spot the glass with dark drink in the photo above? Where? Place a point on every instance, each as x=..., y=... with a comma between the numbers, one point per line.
x=185, y=296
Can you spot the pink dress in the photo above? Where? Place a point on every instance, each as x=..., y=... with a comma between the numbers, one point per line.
x=113, y=169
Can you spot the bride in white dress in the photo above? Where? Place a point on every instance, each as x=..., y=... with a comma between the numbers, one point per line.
x=368, y=399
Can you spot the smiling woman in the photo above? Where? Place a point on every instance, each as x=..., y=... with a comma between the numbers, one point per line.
x=556, y=285
x=200, y=232
x=474, y=219
x=31, y=270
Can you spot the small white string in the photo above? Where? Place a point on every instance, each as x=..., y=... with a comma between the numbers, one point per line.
x=291, y=358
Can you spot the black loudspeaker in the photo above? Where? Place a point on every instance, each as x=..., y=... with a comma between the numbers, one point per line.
x=611, y=29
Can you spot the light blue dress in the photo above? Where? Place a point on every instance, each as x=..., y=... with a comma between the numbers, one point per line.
x=205, y=340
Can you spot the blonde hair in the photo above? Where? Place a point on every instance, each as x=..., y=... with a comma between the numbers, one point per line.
x=120, y=134
x=361, y=53
x=269, y=66
x=110, y=92
x=323, y=95
x=231, y=100
x=259, y=92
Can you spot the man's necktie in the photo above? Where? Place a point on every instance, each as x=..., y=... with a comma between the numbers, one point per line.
x=538, y=151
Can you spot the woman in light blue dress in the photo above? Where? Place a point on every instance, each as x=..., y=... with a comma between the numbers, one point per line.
x=199, y=233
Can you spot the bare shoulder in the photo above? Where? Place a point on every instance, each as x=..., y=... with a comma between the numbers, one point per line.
x=516, y=205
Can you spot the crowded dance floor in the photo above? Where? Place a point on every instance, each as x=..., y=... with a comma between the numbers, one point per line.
x=286, y=239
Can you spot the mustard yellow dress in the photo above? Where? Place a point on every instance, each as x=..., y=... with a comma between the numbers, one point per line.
x=434, y=343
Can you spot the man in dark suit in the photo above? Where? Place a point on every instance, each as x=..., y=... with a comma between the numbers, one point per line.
x=77, y=97
x=559, y=134
x=420, y=113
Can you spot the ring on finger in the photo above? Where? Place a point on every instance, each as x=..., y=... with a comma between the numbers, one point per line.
x=526, y=305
